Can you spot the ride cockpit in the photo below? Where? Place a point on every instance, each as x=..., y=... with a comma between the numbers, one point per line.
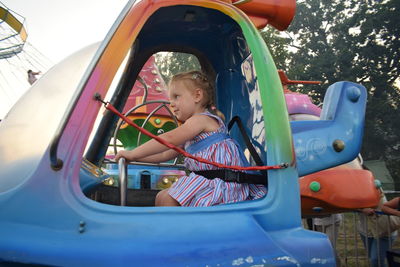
x=206, y=39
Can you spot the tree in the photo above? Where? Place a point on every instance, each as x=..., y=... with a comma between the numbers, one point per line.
x=357, y=41
x=171, y=63
x=277, y=43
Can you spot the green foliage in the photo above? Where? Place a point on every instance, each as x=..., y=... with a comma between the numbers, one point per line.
x=277, y=43
x=171, y=63
x=334, y=40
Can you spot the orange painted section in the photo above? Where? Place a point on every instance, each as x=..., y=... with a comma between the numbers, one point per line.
x=341, y=190
x=285, y=80
x=278, y=13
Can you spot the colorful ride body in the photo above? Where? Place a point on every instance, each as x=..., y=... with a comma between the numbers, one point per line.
x=338, y=189
x=48, y=218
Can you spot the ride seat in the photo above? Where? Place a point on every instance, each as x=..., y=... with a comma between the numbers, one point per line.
x=229, y=81
x=234, y=109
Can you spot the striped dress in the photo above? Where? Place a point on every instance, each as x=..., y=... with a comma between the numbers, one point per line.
x=196, y=191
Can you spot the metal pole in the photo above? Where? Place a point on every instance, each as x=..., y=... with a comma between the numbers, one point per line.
x=123, y=180
x=355, y=237
x=389, y=232
x=366, y=239
x=378, y=240
x=345, y=240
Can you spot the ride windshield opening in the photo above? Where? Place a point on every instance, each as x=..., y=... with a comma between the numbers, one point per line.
x=141, y=95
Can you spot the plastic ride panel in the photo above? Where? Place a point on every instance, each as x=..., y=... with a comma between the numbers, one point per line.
x=47, y=217
x=339, y=189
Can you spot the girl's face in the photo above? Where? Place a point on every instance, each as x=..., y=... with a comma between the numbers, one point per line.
x=184, y=102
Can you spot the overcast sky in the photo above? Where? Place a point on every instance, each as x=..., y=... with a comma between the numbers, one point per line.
x=58, y=28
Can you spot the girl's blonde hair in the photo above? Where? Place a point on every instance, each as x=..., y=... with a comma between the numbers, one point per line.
x=196, y=79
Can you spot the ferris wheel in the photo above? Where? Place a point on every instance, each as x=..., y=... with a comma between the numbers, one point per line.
x=13, y=34
x=17, y=57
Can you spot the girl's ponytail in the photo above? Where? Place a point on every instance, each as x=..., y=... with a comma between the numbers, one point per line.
x=213, y=110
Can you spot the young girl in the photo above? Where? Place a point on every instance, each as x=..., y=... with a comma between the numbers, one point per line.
x=191, y=99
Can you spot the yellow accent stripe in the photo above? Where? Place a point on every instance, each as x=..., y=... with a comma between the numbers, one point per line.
x=151, y=121
x=14, y=23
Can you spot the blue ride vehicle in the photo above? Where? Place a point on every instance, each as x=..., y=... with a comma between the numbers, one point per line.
x=56, y=209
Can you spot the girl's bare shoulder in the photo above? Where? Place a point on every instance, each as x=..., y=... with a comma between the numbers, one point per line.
x=210, y=124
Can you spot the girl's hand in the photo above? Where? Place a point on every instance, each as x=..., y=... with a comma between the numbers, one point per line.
x=368, y=211
x=121, y=154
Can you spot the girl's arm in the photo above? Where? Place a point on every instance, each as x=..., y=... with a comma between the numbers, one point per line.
x=390, y=207
x=178, y=136
x=160, y=157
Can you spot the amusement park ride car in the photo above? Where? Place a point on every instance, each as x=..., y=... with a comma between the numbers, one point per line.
x=331, y=190
x=55, y=207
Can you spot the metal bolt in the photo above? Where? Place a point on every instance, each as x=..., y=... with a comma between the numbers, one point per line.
x=338, y=145
x=82, y=225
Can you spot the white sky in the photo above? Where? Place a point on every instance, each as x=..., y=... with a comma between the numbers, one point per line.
x=56, y=29
x=59, y=28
